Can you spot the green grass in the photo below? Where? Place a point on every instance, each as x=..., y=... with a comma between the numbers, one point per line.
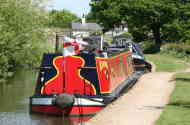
x=166, y=63
x=177, y=112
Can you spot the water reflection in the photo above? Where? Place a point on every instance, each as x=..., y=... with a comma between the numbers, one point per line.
x=14, y=102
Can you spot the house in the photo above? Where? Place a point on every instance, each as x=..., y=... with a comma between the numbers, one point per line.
x=121, y=40
x=83, y=29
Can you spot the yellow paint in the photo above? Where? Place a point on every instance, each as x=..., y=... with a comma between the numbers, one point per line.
x=108, y=92
x=103, y=64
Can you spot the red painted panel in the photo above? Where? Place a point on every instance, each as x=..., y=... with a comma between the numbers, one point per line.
x=103, y=71
x=75, y=83
x=113, y=71
x=68, y=78
x=56, y=84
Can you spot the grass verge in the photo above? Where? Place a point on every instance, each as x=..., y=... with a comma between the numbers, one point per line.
x=177, y=112
x=167, y=63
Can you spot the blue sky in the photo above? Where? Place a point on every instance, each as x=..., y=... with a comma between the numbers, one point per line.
x=76, y=6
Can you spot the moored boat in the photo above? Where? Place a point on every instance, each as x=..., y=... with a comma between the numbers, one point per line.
x=82, y=84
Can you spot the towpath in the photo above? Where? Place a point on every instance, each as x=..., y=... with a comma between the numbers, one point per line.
x=142, y=105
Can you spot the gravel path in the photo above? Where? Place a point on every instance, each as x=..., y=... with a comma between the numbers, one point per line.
x=142, y=105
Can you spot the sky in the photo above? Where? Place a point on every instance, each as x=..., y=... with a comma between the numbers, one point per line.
x=76, y=6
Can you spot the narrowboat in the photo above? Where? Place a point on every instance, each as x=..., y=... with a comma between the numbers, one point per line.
x=139, y=61
x=82, y=84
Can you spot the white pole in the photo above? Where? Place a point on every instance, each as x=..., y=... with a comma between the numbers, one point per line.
x=102, y=40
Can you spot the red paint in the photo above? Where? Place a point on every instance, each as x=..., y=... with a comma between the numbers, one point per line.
x=48, y=110
x=68, y=78
x=73, y=111
x=84, y=110
x=56, y=84
x=116, y=71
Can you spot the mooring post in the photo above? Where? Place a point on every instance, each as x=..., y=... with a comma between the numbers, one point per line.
x=56, y=42
x=102, y=42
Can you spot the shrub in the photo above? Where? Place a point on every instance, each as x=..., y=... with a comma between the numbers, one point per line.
x=149, y=47
x=181, y=50
x=187, y=42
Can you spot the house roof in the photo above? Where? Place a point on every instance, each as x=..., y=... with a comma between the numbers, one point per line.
x=85, y=26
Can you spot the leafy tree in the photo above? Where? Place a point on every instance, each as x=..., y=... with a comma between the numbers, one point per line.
x=179, y=29
x=61, y=18
x=22, y=37
x=90, y=18
x=106, y=13
x=148, y=17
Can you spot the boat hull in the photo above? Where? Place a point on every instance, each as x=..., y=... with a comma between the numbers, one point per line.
x=82, y=106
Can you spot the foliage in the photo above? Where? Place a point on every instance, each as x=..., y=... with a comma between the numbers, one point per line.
x=177, y=50
x=177, y=111
x=90, y=17
x=179, y=30
x=127, y=35
x=149, y=47
x=167, y=63
x=21, y=38
x=187, y=42
x=106, y=13
x=61, y=18
x=146, y=19
x=139, y=34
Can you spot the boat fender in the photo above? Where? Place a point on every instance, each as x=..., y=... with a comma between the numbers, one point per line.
x=64, y=100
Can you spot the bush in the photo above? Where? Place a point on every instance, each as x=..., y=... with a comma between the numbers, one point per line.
x=187, y=42
x=22, y=38
x=178, y=50
x=149, y=47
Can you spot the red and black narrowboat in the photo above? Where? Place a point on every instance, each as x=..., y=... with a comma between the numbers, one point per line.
x=82, y=84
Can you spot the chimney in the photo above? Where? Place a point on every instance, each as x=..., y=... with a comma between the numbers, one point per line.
x=83, y=19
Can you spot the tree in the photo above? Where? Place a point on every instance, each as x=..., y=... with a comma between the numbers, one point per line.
x=21, y=37
x=61, y=18
x=90, y=18
x=179, y=29
x=151, y=15
x=106, y=13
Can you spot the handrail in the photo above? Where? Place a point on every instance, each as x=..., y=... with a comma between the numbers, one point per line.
x=87, y=67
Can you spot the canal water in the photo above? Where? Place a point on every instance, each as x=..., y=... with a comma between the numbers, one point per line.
x=14, y=102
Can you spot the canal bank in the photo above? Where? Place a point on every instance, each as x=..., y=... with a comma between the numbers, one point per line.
x=142, y=105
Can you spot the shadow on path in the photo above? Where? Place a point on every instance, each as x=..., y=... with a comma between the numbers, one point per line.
x=182, y=79
x=180, y=104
